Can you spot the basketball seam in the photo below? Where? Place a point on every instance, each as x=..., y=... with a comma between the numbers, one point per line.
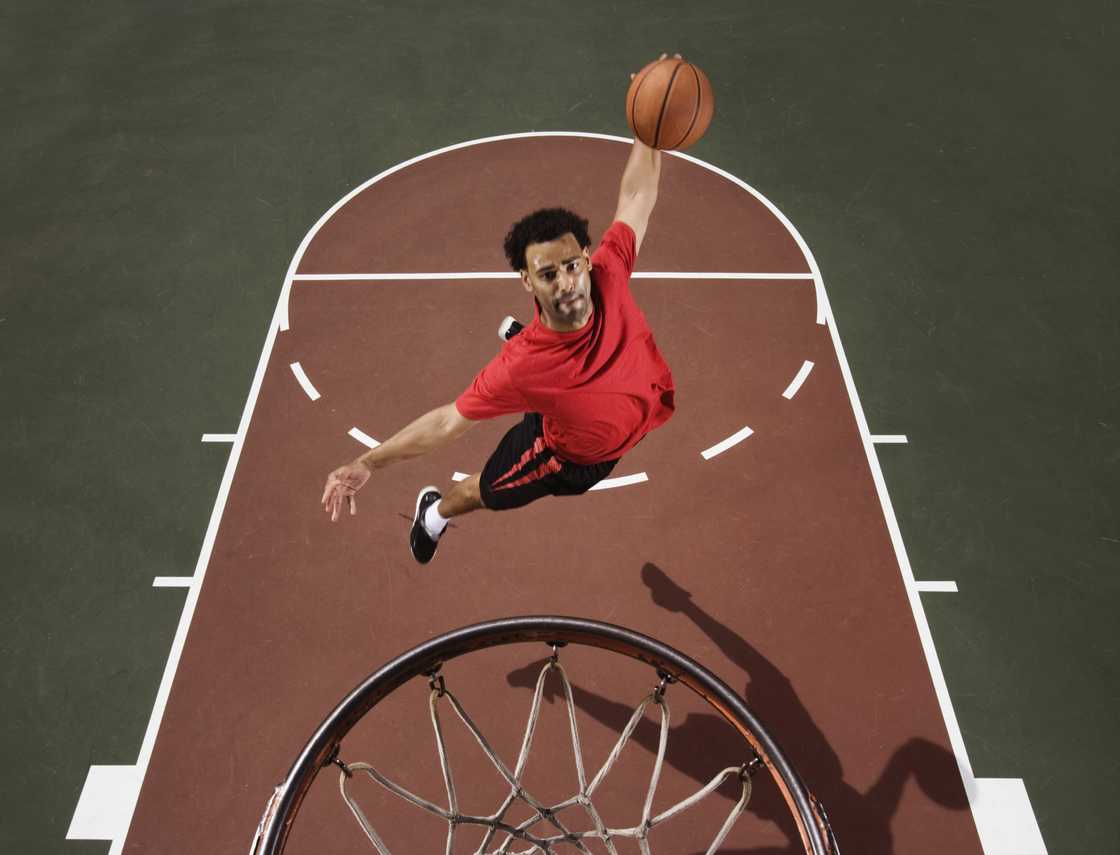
x=665, y=103
x=634, y=104
x=699, y=104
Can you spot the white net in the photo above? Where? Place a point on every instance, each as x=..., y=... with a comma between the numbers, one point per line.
x=545, y=829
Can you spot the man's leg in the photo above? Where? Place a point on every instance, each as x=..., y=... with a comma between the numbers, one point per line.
x=461, y=499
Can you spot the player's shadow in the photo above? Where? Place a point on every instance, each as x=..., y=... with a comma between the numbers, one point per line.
x=862, y=821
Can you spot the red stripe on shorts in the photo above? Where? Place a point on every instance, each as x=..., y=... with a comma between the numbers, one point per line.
x=547, y=468
x=538, y=447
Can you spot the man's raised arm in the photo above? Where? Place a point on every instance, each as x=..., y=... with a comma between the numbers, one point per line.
x=432, y=430
x=638, y=193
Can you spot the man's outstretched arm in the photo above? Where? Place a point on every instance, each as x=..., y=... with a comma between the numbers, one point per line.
x=432, y=430
x=638, y=193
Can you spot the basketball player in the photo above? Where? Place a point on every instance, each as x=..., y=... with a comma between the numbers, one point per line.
x=585, y=372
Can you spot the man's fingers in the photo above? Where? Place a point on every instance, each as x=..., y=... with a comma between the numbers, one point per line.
x=353, y=505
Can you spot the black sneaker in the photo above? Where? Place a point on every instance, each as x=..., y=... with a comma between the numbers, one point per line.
x=509, y=328
x=422, y=544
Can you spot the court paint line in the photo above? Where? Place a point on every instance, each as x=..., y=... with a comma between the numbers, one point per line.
x=943, y=587
x=179, y=641
x=823, y=309
x=105, y=805
x=388, y=277
x=992, y=820
x=796, y=382
x=1006, y=821
x=311, y=391
x=889, y=439
x=219, y=437
x=623, y=481
x=373, y=277
x=721, y=447
x=363, y=437
x=669, y=274
x=172, y=581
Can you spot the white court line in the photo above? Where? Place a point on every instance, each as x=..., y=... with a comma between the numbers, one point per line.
x=375, y=277
x=623, y=481
x=311, y=391
x=179, y=641
x=670, y=274
x=721, y=447
x=363, y=437
x=172, y=581
x=937, y=587
x=280, y=323
x=105, y=806
x=795, y=384
x=664, y=274
x=219, y=437
x=460, y=476
x=823, y=310
x=992, y=821
x=889, y=438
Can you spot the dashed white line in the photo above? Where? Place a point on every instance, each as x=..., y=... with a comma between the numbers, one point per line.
x=311, y=391
x=721, y=447
x=937, y=587
x=623, y=481
x=363, y=437
x=172, y=581
x=219, y=437
x=795, y=384
x=889, y=438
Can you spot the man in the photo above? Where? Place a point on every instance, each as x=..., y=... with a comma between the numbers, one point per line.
x=586, y=373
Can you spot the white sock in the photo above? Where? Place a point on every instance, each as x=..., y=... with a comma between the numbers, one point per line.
x=434, y=524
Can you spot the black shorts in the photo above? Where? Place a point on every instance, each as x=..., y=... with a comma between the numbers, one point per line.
x=522, y=469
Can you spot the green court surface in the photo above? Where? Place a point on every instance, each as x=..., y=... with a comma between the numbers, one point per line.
x=952, y=166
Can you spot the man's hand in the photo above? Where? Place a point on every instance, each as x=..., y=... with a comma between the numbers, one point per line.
x=341, y=486
x=432, y=430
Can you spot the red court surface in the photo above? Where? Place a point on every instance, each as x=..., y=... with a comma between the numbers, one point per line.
x=771, y=562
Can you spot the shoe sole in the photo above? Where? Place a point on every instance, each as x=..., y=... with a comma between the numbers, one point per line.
x=504, y=327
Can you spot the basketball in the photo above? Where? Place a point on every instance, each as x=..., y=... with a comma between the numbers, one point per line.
x=669, y=104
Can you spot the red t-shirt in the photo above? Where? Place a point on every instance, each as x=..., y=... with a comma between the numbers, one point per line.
x=599, y=389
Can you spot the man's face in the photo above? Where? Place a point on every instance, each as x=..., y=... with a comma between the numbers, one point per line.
x=558, y=274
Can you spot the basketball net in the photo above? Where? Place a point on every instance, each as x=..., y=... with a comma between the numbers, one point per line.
x=499, y=836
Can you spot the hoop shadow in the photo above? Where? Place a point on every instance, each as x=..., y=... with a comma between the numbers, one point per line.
x=862, y=821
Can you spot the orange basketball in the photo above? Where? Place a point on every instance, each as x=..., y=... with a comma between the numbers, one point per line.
x=669, y=104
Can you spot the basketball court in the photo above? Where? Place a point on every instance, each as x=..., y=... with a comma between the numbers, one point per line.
x=753, y=532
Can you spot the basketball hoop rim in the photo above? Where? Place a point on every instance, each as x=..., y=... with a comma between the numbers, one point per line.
x=432, y=654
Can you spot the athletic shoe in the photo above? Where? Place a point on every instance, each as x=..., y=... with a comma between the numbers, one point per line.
x=423, y=545
x=509, y=328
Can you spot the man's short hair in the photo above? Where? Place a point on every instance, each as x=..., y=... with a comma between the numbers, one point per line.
x=540, y=227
